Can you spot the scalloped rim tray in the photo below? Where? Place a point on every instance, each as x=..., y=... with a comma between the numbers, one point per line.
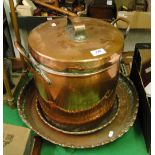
x=128, y=107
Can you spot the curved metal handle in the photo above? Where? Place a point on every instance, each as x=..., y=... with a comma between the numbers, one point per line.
x=124, y=20
x=32, y=62
x=78, y=27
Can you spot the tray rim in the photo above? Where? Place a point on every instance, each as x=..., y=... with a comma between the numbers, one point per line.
x=122, y=132
x=81, y=132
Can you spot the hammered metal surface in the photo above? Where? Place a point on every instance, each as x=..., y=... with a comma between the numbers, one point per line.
x=127, y=95
x=83, y=129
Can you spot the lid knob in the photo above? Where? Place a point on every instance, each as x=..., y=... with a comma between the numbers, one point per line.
x=76, y=28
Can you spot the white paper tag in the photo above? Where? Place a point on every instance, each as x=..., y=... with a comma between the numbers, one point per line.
x=97, y=52
x=109, y=2
x=53, y=24
x=49, y=18
x=111, y=133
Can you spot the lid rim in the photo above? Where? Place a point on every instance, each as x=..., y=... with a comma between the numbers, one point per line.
x=75, y=74
x=79, y=65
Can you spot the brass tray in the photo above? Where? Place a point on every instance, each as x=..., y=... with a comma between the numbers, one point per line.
x=83, y=129
x=128, y=107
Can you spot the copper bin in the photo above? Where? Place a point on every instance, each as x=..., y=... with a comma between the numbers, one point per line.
x=75, y=86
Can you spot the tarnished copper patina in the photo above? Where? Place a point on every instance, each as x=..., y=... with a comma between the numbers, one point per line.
x=75, y=85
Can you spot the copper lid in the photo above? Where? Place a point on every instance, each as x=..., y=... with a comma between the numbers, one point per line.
x=85, y=43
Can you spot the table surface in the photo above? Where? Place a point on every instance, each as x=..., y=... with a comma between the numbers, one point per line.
x=131, y=143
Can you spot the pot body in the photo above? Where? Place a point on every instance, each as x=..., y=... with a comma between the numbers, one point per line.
x=77, y=100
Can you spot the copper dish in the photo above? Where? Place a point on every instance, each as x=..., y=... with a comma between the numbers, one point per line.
x=75, y=63
x=125, y=118
x=83, y=129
